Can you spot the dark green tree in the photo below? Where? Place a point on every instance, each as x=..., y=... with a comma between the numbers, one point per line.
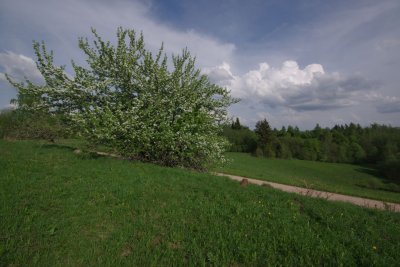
x=236, y=125
x=264, y=132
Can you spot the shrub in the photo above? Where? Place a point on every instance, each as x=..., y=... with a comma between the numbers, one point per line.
x=140, y=104
x=18, y=124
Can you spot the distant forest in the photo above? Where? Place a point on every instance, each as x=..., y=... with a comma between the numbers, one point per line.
x=350, y=143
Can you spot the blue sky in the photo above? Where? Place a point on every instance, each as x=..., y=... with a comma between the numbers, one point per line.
x=293, y=62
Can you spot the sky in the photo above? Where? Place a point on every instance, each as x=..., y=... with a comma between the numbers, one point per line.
x=292, y=62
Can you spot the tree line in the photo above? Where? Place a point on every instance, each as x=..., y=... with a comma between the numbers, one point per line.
x=350, y=143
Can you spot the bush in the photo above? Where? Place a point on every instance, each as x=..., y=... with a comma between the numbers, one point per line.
x=17, y=124
x=140, y=104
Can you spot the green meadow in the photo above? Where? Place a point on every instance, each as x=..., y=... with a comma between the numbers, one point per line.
x=58, y=208
x=349, y=179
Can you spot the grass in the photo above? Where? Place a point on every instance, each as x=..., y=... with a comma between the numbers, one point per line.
x=62, y=209
x=333, y=177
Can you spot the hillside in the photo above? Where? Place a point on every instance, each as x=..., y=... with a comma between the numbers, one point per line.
x=59, y=208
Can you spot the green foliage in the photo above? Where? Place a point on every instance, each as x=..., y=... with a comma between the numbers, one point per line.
x=241, y=138
x=282, y=149
x=264, y=133
x=131, y=100
x=22, y=124
x=59, y=209
x=236, y=125
x=356, y=153
x=267, y=143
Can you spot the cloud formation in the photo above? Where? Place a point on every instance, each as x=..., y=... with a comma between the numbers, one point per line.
x=347, y=37
x=18, y=67
x=389, y=105
x=62, y=22
x=310, y=88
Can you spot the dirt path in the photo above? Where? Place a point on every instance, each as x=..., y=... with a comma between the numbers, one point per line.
x=364, y=202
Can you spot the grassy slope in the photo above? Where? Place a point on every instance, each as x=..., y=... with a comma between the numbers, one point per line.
x=334, y=177
x=58, y=208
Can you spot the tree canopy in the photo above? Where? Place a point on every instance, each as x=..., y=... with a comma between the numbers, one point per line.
x=140, y=103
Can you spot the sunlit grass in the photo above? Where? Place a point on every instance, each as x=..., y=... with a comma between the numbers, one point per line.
x=334, y=177
x=62, y=209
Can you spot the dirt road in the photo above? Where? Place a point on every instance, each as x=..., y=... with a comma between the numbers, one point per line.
x=364, y=202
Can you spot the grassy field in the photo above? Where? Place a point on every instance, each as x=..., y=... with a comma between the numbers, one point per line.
x=333, y=177
x=62, y=209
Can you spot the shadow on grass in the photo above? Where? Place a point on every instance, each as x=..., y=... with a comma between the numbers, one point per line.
x=371, y=171
x=59, y=146
x=72, y=149
x=90, y=155
x=388, y=185
x=395, y=189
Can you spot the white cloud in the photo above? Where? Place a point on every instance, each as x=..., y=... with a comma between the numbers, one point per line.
x=18, y=67
x=62, y=22
x=220, y=74
x=290, y=86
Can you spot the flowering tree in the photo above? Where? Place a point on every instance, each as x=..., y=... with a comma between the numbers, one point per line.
x=136, y=102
